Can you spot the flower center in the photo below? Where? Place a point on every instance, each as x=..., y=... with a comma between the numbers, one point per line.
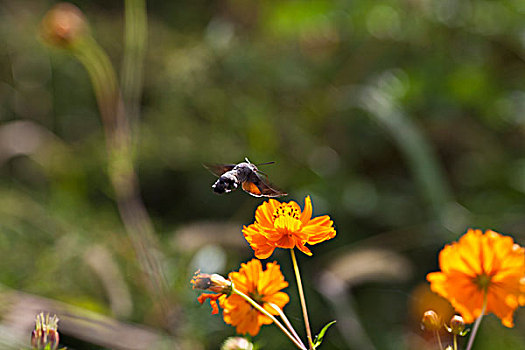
x=286, y=209
x=287, y=218
x=258, y=298
x=483, y=281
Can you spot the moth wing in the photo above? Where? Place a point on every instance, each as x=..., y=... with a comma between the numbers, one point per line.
x=269, y=191
x=259, y=187
x=251, y=188
x=219, y=169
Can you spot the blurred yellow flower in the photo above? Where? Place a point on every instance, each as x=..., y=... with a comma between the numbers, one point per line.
x=284, y=225
x=481, y=266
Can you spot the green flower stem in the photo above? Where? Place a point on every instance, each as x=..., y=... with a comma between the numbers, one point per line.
x=286, y=321
x=135, y=40
x=303, y=300
x=476, y=324
x=103, y=79
x=455, y=342
x=253, y=303
x=120, y=165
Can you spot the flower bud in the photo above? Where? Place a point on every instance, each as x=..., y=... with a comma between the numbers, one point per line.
x=214, y=283
x=45, y=336
x=63, y=25
x=237, y=343
x=431, y=321
x=457, y=325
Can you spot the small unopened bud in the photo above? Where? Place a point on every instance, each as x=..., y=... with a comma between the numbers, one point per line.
x=63, y=25
x=45, y=336
x=457, y=326
x=237, y=343
x=214, y=283
x=431, y=321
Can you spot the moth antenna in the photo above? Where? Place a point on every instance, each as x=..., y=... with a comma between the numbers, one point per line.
x=265, y=163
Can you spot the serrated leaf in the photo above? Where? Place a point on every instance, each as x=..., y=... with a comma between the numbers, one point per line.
x=319, y=337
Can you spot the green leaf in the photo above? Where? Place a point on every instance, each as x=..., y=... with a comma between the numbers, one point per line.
x=319, y=338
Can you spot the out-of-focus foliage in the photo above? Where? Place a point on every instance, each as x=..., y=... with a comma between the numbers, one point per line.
x=404, y=120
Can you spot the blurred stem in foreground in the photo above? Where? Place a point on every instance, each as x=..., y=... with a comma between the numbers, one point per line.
x=65, y=26
x=413, y=145
x=135, y=41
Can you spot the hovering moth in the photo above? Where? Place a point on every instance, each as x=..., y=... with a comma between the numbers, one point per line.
x=244, y=174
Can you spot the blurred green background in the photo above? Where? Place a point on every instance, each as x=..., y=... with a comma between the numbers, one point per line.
x=403, y=120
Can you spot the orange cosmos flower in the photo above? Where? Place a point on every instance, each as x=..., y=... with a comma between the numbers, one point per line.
x=283, y=225
x=481, y=266
x=262, y=286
